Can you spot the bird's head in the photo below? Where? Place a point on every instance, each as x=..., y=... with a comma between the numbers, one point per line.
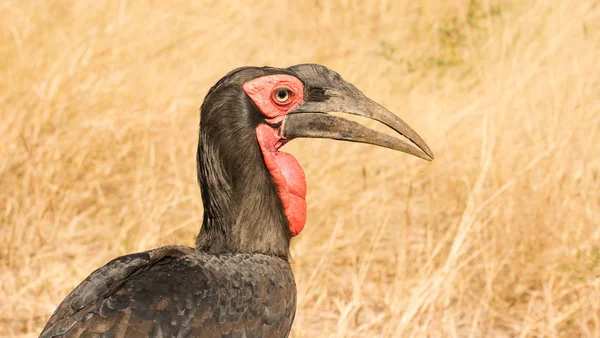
x=252, y=112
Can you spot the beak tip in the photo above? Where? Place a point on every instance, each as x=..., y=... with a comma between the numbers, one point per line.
x=427, y=156
x=427, y=153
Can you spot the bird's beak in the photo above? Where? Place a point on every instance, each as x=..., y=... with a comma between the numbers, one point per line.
x=311, y=120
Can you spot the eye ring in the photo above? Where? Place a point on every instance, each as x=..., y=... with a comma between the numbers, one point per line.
x=282, y=95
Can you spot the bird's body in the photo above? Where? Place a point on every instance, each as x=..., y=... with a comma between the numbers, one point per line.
x=237, y=281
x=178, y=291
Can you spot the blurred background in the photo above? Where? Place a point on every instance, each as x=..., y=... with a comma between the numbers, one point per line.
x=499, y=236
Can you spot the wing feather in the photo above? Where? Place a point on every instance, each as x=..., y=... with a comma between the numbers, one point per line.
x=180, y=292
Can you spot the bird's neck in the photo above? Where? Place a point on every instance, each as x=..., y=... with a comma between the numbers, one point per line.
x=242, y=212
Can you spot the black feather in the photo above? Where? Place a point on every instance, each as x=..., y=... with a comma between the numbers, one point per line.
x=181, y=292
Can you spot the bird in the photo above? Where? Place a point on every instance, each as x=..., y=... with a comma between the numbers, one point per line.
x=237, y=280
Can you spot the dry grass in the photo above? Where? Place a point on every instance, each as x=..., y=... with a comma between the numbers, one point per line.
x=499, y=236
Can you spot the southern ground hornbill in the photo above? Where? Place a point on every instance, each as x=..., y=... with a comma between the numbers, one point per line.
x=237, y=281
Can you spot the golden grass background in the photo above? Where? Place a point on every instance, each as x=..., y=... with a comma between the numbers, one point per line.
x=498, y=237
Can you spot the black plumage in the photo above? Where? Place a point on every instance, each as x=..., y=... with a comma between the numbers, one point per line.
x=237, y=281
x=181, y=292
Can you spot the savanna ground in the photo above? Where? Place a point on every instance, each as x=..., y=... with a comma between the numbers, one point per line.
x=497, y=237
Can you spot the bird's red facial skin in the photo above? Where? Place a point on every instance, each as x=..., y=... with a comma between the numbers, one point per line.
x=285, y=170
x=261, y=92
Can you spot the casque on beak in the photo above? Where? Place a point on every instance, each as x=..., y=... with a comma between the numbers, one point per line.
x=311, y=120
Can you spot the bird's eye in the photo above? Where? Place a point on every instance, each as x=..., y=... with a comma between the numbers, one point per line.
x=282, y=95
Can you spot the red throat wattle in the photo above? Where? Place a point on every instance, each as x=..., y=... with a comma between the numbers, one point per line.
x=285, y=170
x=287, y=175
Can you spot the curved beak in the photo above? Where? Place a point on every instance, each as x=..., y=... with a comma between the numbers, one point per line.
x=310, y=119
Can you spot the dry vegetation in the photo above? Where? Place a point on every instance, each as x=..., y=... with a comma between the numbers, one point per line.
x=497, y=237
